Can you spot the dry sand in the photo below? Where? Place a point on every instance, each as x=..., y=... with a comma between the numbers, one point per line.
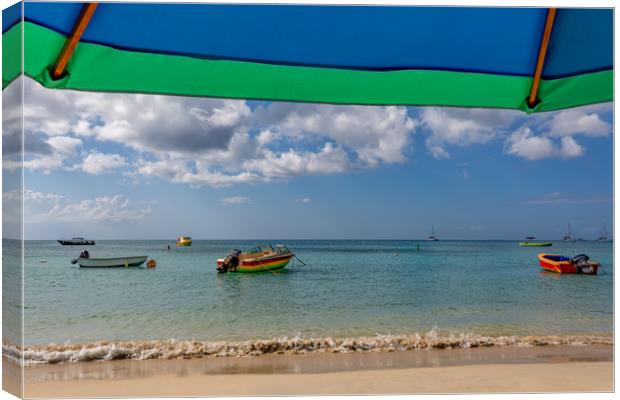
x=546, y=369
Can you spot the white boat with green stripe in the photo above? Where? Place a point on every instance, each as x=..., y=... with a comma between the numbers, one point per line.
x=114, y=262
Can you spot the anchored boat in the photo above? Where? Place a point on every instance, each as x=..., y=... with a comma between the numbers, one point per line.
x=77, y=242
x=184, y=241
x=569, y=237
x=260, y=258
x=580, y=264
x=433, y=237
x=528, y=243
x=535, y=244
x=603, y=237
x=85, y=261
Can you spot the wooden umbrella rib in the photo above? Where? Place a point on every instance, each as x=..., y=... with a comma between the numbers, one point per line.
x=73, y=39
x=542, y=52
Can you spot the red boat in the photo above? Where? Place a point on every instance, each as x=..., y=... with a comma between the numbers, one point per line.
x=579, y=264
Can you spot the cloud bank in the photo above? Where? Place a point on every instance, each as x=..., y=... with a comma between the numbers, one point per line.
x=217, y=142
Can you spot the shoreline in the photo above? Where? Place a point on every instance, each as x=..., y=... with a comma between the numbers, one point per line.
x=32, y=355
x=475, y=370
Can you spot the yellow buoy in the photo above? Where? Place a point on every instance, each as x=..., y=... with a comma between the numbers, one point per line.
x=151, y=264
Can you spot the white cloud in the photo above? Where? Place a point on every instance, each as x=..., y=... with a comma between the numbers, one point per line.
x=193, y=173
x=52, y=198
x=578, y=121
x=159, y=125
x=12, y=120
x=328, y=160
x=258, y=158
x=98, y=163
x=217, y=142
x=64, y=144
x=12, y=195
x=56, y=127
x=534, y=139
x=31, y=195
x=304, y=200
x=62, y=148
x=210, y=141
x=554, y=135
x=570, y=148
x=462, y=127
x=374, y=134
x=567, y=198
x=44, y=151
x=42, y=207
x=165, y=124
x=437, y=151
x=227, y=201
x=524, y=143
x=107, y=209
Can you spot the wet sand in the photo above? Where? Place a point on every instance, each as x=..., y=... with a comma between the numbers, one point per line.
x=481, y=370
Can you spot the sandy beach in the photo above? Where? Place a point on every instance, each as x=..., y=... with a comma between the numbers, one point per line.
x=411, y=372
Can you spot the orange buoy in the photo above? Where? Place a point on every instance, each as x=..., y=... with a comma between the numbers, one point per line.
x=151, y=264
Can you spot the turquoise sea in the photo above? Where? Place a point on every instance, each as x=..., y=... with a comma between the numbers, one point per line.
x=348, y=289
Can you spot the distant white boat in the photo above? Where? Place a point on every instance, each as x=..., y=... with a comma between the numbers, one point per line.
x=433, y=237
x=116, y=262
x=603, y=237
x=569, y=237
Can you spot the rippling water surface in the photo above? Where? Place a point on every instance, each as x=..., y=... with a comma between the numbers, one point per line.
x=347, y=289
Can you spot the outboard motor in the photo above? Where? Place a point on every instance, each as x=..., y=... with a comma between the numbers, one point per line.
x=231, y=262
x=83, y=254
x=580, y=261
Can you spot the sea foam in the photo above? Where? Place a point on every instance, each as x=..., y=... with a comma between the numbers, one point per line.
x=190, y=349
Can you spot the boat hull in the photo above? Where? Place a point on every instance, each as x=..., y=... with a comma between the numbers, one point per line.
x=77, y=243
x=184, y=241
x=563, y=265
x=117, y=262
x=534, y=244
x=261, y=265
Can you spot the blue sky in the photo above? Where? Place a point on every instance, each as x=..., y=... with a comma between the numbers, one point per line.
x=108, y=166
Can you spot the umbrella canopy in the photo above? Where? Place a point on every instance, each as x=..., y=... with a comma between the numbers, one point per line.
x=449, y=56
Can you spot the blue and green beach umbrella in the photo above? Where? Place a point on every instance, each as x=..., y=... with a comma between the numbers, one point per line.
x=531, y=59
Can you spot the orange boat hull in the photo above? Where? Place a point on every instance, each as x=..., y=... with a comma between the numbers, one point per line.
x=563, y=265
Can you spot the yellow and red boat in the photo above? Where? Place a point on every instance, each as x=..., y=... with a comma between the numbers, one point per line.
x=184, y=241
x=260, y=258
x=579, y=264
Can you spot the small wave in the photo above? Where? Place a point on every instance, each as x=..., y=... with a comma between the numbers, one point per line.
x=190, y=349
